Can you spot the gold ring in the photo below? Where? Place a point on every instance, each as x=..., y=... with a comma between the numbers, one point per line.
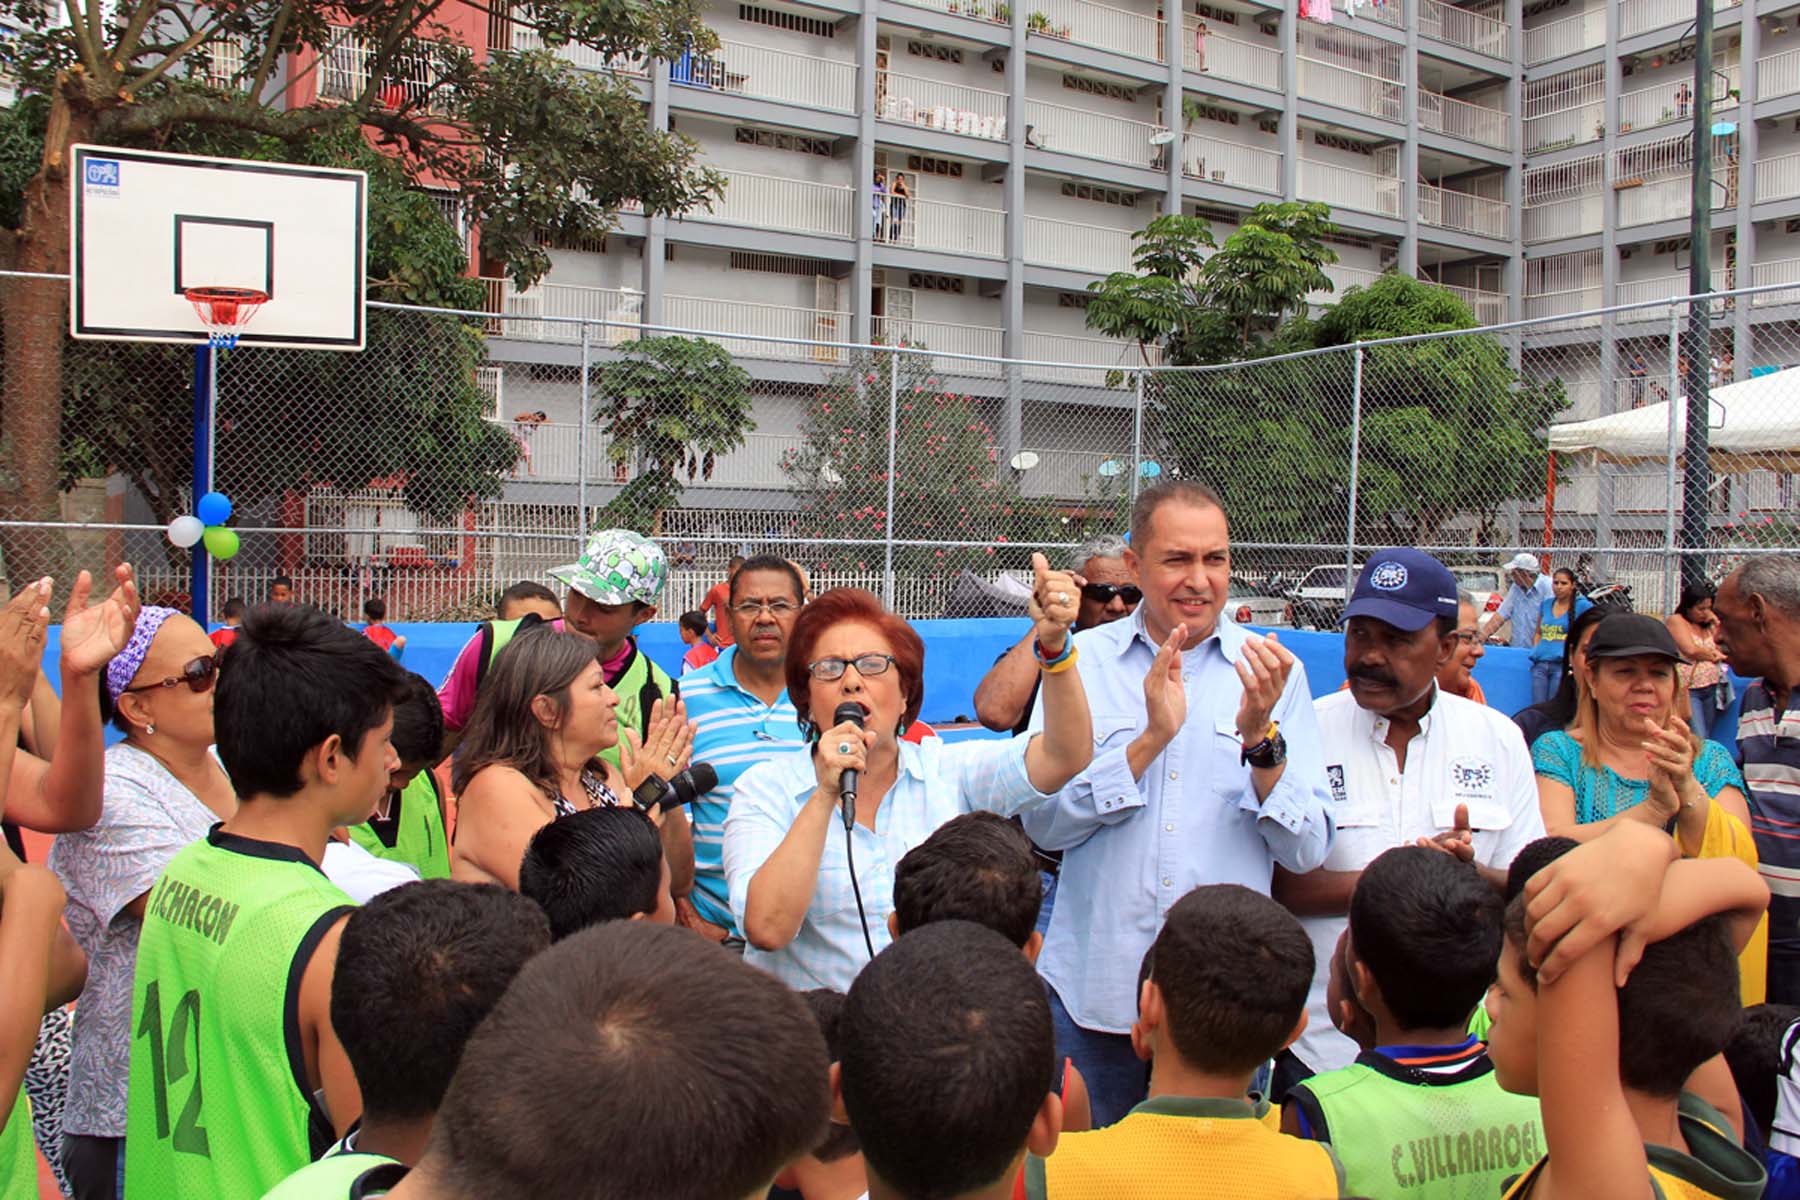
x=671, y=759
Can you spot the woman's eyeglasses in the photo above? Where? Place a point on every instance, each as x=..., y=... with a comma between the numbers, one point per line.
x=1103, y=593
x=827, y=669
x=198, y=673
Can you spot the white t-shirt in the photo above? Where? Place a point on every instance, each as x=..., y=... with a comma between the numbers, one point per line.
x=1464, y=753
x=360, y=874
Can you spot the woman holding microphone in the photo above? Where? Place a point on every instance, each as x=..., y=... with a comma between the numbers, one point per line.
x=809, y=851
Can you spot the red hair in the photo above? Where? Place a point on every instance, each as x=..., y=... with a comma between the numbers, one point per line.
x=847, y=605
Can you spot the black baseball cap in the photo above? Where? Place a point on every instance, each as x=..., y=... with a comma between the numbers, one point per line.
x=1632, y=635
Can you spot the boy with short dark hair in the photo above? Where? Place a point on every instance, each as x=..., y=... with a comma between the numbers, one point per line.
x=626, y=1062
x=1613, y=1065
x=407, y=824
x=599, y=864
x=240, y=933
x=834, y=1170
x=1226, y=991
x=692, y=630
x=528, y=596
x=230, y=617
x=375, y=613
x=944, y=1067
x=1420, y=1107
x=418, y=969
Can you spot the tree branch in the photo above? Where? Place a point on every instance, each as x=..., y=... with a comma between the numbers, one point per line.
x=84, y=44
x=198, y=37
x=134, y=31
x=272, y=51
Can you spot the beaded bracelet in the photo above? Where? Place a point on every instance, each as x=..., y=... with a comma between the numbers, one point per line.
x=1060, y=663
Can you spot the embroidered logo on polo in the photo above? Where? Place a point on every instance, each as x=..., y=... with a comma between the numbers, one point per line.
x=1334, y=774
x=1389, y=576
x=1472, y=775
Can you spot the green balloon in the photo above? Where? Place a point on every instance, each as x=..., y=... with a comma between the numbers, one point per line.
x=220, y=542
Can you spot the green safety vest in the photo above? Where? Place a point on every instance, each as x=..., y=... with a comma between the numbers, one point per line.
x=328, y=1179
x=417, y=829
x=1447, y=1138
x=18, y=1153
x=218, y=1101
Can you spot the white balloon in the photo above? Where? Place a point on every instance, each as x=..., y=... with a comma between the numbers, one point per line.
x=186, y=531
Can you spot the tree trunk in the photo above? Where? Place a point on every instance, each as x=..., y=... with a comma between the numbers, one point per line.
x=35, y=313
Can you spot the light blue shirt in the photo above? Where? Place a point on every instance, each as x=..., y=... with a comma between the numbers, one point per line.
x=936, y=781
x=1522, y=607
x=1134, y=847
x=734, y=730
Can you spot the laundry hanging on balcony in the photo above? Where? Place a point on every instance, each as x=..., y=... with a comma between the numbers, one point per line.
x=1316, y=10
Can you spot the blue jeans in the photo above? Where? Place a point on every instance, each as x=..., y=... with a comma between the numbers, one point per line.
x=1117, y=1079
x=1043, y=921
x=1546, y=677
x=1704, y=703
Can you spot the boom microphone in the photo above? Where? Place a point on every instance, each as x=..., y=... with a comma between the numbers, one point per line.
x=852, y=712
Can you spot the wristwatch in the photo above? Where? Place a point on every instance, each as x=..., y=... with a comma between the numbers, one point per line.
x=1268, y=753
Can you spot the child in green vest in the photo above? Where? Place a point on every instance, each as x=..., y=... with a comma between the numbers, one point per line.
x=1618, y=1027
x=1420, y=1109
x=408, y=823
x=237, y=1078
x=418, y=969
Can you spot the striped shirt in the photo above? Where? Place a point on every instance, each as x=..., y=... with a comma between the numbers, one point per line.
x=733, y=731
x=1769, y=748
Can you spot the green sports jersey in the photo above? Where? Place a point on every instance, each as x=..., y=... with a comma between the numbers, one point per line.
x=219, y=1104
x=18, y=1153
x=639, y=684
x=416, y=827
x=330, y=1178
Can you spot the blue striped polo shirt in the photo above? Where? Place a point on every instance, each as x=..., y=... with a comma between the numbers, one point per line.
x=1769, y=748
x=734, y=731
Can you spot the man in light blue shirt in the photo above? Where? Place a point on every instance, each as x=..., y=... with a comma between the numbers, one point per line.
x=741, y=713
x=1207, y=769
x=1524, y=600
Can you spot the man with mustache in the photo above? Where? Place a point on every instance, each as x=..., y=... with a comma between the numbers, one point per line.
x=1406, y=762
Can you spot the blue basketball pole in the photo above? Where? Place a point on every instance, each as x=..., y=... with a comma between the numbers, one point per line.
x=203, y=462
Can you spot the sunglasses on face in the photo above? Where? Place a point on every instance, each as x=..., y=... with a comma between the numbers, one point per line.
x=198, y=673
x=1103, y=593
x=827, y=669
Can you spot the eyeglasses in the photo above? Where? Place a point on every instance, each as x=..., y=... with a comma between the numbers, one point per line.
x=867, y=665
x=1467, y=637
x=199, y=674
x=777, y=608
x=1103, y=593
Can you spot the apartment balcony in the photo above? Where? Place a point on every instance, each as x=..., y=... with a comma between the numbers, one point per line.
x=973, y=9
x=1231, y=163
x=1088, y=134
x=1342, y=278
x=1669, y=199
x=1672, y=286
x=1781, y=270
x=553, y=452
x=1566, y=301
x=940, y=225
x=1106, y=354
x=1571, y=35
x=1342, y=87
x=1778, y=178
x=1073, y=246
x=773, y=202
x=1460, y=119
x=1580, y=118
x=1347, y=187
x=1228, y=58
x=1134, y=34
x=524, y=37
x=780, y=75
x=1641, y=16
x=1564, y=217
x=981, y=341
x=549, y=312
x=1465, y=213
x=1777, y=75
x=1067, y=474
x=1669, y=103
x=415, y=78
x=806, y=327
x=1489, y=307
x=935, y=104
x=1460, y=27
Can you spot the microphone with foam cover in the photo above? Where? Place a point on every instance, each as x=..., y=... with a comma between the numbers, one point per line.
x=852, y=712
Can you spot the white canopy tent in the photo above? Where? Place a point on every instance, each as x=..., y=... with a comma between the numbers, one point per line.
x=1755, y=426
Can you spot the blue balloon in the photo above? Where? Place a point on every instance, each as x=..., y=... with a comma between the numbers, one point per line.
x=213, y=509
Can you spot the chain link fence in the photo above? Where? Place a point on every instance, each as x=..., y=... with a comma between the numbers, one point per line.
x=462, y=451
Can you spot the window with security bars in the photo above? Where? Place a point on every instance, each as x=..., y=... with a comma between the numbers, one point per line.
x=414, y=77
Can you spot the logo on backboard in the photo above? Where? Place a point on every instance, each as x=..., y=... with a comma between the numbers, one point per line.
x=101, y=177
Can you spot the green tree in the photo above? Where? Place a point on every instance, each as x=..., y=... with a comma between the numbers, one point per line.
x=674, y=404
x=536, y=149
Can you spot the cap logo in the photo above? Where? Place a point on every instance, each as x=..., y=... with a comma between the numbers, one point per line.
x=1389, y=576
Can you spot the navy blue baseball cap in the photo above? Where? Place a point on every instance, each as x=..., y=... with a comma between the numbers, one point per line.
x=1405, y=588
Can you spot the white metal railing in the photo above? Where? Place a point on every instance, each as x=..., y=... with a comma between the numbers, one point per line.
x=1672, y=286
x=1460, y=27
x=1231, y=162
x=773, y=202
x=1347, y=187
x=752, y=321
x=1343, y=278
x=1342, y=87
x=552, y=452
x=1229, y=58
x=622, y=307
x=1570, y=35
x=1668, y=199
x=1571, y=300
x=1462, y=211
x=948, y=337
x=1065, y=474
x=1489, y=307
x=1781, y=270
x=746, y=70
x=525, y=37
x=1566, y=127
x=940, y=225
x=1106, y=354
x=1459, y=118
x=1102, y=26
x=414, y=76
x=1571, y=216
x=1093, y=248
x=1778, y=75
x=1778, y=178
x=935, y=104
x=1088, y=134
x=1641, y=16
x=1671, y=102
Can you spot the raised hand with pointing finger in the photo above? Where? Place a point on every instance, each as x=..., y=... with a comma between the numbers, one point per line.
x=1458, y=842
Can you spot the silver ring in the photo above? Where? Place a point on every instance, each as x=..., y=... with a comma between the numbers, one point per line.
x=843, y=747
x=671, y=759
x=1062, y=597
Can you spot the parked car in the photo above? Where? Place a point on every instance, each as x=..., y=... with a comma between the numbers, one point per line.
x=1319, y=598
x=1486, y=584
x=1251, y=605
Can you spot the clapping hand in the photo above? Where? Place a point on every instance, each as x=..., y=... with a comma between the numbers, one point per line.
x=24, y=623
x=1264, y=673
x=92, y=636
x=1055, y=599
x=1670, y=754
x=1165, y=696
x=663, y=750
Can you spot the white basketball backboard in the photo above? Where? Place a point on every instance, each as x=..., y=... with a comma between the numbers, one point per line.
x=146, y=226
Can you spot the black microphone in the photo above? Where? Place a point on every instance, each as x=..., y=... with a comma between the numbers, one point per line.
x=852, y=712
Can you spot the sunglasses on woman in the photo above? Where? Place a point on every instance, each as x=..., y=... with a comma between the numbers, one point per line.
x=198, y=673
x=1103, y=593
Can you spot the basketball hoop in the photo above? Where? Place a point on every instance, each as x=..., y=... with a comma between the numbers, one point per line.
x=225, y=311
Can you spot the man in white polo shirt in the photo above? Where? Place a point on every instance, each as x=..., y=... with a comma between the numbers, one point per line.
x=1406, y=762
